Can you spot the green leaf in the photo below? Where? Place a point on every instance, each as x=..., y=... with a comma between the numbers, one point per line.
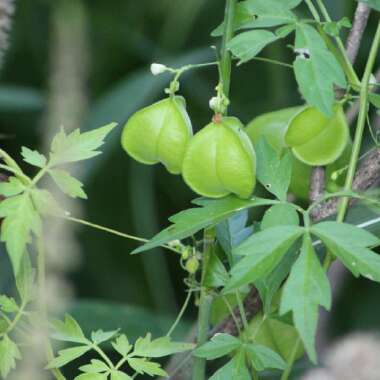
x=247, y=45
x=122, y=345
x=242, y=17
x=264, y=358
x=280, y=215
x=11, y=187
x=269, y=286
x=260, y=14
x=157, y=348
x=9, y=353
x=333, y=28
x=306, y=288
x=273, y=172
x=8, y=304
x=188, y=222
x=235, y=369
x=349, y=243
x=219, y=345
x=68, y=355
x=375, y=4
x=374, y=99
x=142, y=366
x=263, y=251
x=77, y=146
x=96, y=366
x=67, y=183
x=216, y=274
x=117, y=375
x=101, y=336
x=316, y=69
x=45, y=202
x=275, y=334
x=232, y=231
x=91, y=376
x=20, y=220
x=33, y=157
x=271, y=12
x=25, y=280
x=68, y=330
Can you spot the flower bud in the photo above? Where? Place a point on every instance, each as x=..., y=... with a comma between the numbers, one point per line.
x=214, y=103
x=192, y=265
x=157, y=68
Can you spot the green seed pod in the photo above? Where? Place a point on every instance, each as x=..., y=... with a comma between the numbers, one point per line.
x=192, y=265
x=159, y=133
x=220, y=160
x=273, y=126
x=316, y=139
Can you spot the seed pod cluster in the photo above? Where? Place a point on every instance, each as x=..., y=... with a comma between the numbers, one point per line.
x=220, y=159
x=217, y=161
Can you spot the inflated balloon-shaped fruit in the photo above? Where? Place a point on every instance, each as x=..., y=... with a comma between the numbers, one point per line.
x=273, y=126
x=159, y=133
x=315, y=139
x=220, y=160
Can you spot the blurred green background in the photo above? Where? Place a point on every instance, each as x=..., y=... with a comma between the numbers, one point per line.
x=86, y=63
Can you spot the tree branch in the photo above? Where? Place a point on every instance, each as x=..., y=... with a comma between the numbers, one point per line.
x=356, y=34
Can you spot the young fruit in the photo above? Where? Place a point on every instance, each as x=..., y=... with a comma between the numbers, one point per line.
x=159, y=133
x=316, y=139
x=220, y=160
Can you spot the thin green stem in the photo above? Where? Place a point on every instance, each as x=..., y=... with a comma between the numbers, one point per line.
x=12, y=324
x=313, y=10
x=9, y=160
x=225, y=59
x=273, y=61
x=114, y=232
x=231, y=311
x=206, y=299
x=241, y=310
x=41, y=281
x=181, y=313
x=39, y=175
x=17, y=173
x=103, y=356
x=361, y=123
x=292, y=359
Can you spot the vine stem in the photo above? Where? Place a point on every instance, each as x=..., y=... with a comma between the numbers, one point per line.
x=206, y=298
x=114, y=232
x=181, y=313
x=41, y=280
x=361, y=123
x=292, y=359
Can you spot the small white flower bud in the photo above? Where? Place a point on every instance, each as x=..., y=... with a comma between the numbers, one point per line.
x=214, y=103
x=157, y=68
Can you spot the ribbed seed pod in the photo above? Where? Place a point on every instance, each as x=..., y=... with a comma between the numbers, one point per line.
x=220, y=160
x=159, y=133
x=316, y=139
x=274, y=126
